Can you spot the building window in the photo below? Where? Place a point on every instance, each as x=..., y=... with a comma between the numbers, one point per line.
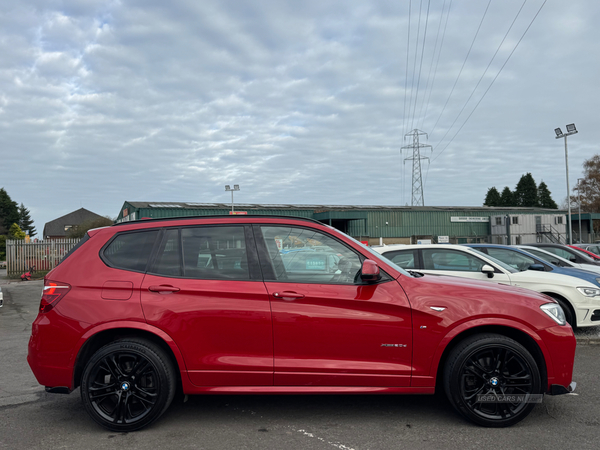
x=559, y=220
x=498, y=220
x=68, y=227
x=515, y=220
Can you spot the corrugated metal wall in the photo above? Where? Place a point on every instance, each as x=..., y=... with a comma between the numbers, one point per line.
x=385, y=223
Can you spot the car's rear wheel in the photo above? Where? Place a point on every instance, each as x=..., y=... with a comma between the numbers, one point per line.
x=128, y=384
x=492, y=380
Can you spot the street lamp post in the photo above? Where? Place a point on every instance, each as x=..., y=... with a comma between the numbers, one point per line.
x=559, y=134
x=579, y=180
x=236, y=187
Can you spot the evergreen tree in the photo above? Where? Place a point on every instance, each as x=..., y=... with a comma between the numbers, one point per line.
x=507, y=198
x=545, y=198
x=526, y=193
x=25, y=222
x=492, y=197
x=9, y=213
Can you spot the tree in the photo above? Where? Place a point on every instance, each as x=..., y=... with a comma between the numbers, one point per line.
x=545, y=198
x=15, y=232
x=9, y=212
x=492, y=197
x=526, y=193
x=25, y=222
x=589, y=187
x=507, y=198
x=80, y=230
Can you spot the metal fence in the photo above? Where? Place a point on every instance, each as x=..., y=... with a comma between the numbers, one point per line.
x=43, y=255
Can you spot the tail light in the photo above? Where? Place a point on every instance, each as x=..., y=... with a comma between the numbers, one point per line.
x=52, y=293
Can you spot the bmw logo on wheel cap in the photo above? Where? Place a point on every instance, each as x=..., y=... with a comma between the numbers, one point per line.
x=494, y=381
x=125, y=386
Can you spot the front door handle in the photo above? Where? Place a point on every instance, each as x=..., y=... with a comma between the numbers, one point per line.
x=163, y=289
x=288, y=295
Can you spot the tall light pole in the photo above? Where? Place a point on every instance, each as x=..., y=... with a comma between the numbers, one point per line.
x=579, y=180
x=236, y=187
x=559, y=134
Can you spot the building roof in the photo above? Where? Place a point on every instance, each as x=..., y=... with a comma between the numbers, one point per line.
x=56, y=227
x=262, y=206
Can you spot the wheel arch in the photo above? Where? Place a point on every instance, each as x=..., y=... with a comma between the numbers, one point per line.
x=94, y=340
x=569, y=304
x=516, y=334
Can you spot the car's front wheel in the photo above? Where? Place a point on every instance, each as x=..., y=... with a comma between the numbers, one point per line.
x=128, y=384
x=492, y=380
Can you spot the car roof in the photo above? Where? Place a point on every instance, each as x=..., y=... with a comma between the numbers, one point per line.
x=232, y=217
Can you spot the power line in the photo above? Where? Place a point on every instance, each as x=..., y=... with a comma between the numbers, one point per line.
x=406, y=76
x=412, y=84
x=421, y=64
x=491, y=84
x=483, y=75
x=463, y=66
x=427, y=97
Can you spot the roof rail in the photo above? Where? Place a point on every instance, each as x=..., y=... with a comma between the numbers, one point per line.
x=219, y=216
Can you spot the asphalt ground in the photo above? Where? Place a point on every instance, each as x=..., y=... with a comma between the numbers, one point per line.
x=30, y=418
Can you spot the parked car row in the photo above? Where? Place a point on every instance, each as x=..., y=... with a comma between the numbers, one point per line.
x=220, y=305
x=575, y=286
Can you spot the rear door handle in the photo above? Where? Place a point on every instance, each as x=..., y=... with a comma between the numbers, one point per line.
x=288, y=295
x=163, y=289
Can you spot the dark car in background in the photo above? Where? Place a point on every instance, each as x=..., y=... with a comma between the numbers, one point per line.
x=567, y=252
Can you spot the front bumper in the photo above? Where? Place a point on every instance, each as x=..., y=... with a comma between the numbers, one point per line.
x=558, y=389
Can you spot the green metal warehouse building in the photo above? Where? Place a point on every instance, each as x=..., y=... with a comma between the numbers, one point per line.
x=372, y=224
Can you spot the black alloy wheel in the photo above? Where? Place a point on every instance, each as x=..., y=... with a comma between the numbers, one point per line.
x=128, y=384
x=492, y=380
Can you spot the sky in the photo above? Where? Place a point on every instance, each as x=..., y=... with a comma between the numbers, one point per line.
x=107, y=101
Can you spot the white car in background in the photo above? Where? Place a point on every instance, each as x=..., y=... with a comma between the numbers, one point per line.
x=557, y=260
x=575, y=295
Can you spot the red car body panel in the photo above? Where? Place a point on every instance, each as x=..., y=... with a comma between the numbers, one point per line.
x=237, y=336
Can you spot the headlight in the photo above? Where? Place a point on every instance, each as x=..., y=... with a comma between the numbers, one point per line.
x=555, y=312
x=589, y=292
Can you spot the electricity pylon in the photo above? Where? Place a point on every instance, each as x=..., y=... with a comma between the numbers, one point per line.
x=417, y=180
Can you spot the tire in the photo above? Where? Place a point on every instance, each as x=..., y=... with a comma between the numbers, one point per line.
x=128, y=384
x=491, y=365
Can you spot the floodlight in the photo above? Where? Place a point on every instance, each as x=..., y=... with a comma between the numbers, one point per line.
x=227, y=188
x=571, y=128
x=558, y=132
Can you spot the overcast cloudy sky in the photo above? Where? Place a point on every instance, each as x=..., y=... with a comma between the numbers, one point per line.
x=296, y=101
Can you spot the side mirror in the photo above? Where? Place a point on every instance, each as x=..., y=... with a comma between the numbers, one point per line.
x=369, y=272
x=489, y=270
x=538, y=267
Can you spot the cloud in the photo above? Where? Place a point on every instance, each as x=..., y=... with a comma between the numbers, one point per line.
x=107, y=101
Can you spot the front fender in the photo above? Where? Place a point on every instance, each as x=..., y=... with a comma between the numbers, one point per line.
x=428, y=378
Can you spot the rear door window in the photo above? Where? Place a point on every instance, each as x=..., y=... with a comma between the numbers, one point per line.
x=206, y=253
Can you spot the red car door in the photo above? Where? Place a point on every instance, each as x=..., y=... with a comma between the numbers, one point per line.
x=206, y=292
x=328, y=328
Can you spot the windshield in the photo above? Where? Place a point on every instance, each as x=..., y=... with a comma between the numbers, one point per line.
x=501, y=264
x=377, y=256
x=548, y=257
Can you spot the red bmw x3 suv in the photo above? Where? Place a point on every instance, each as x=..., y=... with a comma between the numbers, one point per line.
x=268, y=305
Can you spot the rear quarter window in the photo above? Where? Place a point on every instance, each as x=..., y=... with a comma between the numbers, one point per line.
x=130, y=251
